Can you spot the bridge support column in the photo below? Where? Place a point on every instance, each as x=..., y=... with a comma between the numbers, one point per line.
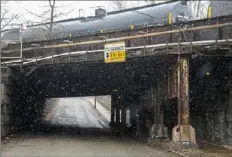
x=123, y=115
x=158, y=129
x=183, y=132
x=118, y=111
x=113, y=110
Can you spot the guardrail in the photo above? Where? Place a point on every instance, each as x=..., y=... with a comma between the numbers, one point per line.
x=167, y=49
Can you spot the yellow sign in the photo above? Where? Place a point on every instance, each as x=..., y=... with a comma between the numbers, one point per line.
x=115, y=52
x=210, y=12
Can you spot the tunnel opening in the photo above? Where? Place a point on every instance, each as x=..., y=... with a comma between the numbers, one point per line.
x=33, y=86
x=80, y=114
x=209, y=94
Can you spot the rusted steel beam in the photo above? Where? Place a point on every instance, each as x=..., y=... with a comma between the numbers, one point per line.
x=133, y=51
x=184, y=90
x=172, y=81
x=183, y=132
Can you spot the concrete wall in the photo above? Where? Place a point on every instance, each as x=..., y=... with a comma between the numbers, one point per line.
x=211, y=104
x=228, y=116
x=5, y=103
x=105, y=101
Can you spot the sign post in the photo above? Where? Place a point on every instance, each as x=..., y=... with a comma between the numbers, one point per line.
x=115, y=52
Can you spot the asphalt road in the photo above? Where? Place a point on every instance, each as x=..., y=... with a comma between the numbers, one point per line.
x=26, y=145
x=78, y=112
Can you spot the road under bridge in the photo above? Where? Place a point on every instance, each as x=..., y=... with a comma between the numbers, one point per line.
x=182, y=90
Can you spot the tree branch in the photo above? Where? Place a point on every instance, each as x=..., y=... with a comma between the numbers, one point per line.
x=62, y=14
x=3, y=15
x=119, y=4
x=12, y=18
x=40, y=16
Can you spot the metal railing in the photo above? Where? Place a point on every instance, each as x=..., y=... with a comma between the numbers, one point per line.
x=190, y=45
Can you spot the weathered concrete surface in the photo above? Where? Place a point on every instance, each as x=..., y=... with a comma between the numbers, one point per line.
x=204, y=149
x=77, y=145
x=228, y=116
x=5, y=120
x=211, y=101
x=105, y=101
x=5, y=102
x=102, y=108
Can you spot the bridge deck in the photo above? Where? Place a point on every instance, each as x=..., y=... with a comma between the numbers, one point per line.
x=207, y=36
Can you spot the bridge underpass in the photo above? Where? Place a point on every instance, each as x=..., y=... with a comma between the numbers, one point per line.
x=131, y=79
x=210, y=96
x=131, y=85
x=157, y=98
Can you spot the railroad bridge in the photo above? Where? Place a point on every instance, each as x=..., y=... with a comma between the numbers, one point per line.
x=178, y=74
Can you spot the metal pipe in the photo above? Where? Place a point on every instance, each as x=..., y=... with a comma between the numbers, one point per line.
x=129, y=37
x=194, y=43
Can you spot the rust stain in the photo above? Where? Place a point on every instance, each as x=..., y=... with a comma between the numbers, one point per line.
x=184, y=91
x=172, y=82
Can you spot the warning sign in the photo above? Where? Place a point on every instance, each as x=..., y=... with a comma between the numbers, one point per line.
x=115, y=52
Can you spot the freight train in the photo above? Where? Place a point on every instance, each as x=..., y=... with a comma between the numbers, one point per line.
x=114, y=21
x=150, y=15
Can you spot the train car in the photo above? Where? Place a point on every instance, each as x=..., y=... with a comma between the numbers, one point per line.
x=157, y=14
x=216, y=8
x=220, y=8
x=113, y=21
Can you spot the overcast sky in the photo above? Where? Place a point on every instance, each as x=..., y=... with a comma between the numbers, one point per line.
x=22, y=8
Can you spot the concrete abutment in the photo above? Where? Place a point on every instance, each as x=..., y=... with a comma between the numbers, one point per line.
x=6, y=123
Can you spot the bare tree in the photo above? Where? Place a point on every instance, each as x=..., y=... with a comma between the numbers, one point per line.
x=198, y=9
x=49, y=16
x=151, y=1
x=118, y=4
x=155, y=1
x=6, y=16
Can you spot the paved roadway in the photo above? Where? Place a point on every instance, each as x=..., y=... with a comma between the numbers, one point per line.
x=77, y=145
x=78, y=112
x=81, y=113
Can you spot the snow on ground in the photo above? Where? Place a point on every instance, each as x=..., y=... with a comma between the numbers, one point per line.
x=78, y=112
x=104, y=112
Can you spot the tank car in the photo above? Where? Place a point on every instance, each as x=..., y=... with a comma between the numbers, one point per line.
x=216, y=8
x=120, y=20
x=113, y=21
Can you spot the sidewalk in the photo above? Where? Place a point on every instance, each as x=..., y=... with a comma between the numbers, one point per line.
x=204, y=150
x=104, y=112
